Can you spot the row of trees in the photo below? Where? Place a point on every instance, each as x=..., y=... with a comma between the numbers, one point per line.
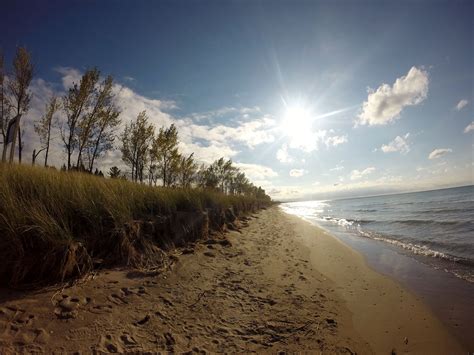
x=89, y=110
x=87, y=118
x=155, y=156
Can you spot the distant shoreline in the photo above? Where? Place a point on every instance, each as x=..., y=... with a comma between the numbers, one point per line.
x=376, y=195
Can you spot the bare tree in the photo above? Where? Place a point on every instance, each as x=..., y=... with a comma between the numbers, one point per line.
x=43, y=126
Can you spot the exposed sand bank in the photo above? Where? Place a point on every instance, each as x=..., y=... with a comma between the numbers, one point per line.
x=278, y=284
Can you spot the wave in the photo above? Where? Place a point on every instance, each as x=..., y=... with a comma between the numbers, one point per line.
x=415, y=248
x=418, y=222
x=446, y=210
x=418, y=249
x=346, y=222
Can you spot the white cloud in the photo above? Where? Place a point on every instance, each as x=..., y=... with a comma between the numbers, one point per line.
x=282, y=154
x=461, y=104
x=207, y=153
x=438, y=153
x=335, y=140
x=211, y=115
x=69, y=77
x=312, y=141
x=386, y=103
x=356, y=174
x=256, y=172
x=469, y=127
x=297, y=172
x=399, y=144
x=337, y=168
x=251, y=133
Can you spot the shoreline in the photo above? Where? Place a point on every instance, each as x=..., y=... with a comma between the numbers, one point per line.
x=446, y=295
x=384, y=310
x=277, y=284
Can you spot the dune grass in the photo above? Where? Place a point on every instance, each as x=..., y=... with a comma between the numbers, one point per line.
x=53, y=224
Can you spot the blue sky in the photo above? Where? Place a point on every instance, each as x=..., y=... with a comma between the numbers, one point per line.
x=278, y=86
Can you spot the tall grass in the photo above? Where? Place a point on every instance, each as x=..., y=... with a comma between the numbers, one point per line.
x=53, y=224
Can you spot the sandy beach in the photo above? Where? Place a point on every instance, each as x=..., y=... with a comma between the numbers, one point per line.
x=276, y=284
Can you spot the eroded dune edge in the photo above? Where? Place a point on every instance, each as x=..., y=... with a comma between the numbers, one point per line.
x=275, y=283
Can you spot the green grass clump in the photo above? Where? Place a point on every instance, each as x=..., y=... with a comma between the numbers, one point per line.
x=54, y=224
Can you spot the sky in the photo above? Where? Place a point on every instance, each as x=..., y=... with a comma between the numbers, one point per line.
x=311, y=99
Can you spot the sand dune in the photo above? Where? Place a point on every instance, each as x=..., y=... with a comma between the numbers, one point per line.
x=278, y=284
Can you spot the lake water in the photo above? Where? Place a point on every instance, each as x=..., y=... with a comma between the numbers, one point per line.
x=435, y=226
x=424, y=240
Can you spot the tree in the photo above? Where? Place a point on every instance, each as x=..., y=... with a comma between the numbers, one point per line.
x=114, y=172
x=18, y=89
x=207, y=178
x=239, y=183
x=5, y=107
x=224, y=172
x=187, y=170
x=102, y=135
x=100, y=98
x=165, y=152
x=43, y=126
x=75, y=104
x=136, y=139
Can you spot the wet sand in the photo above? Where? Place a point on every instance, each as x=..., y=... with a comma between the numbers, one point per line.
x=278, y=284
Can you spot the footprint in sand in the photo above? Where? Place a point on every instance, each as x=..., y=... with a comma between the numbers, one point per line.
x=17, y=329
x=117, y=299
x=67, y=307
x=120, y=297
x=138, y=291
x=16, y=316
x=142, y=321
x=101, y=309
x=109, y=344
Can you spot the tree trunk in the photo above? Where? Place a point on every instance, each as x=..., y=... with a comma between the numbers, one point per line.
x=20, y=146
x=12, y=148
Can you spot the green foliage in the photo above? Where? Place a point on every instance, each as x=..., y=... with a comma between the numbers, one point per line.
x=136, y=139
x=22, y=76
x=5, y=104
x=76, y=103
x=187, y=169
x=114, y=172
x=165, y=154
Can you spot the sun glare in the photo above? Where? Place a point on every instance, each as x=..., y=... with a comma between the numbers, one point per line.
x=297, y=124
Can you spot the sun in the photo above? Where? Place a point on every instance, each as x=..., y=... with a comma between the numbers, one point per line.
x=297, y=124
